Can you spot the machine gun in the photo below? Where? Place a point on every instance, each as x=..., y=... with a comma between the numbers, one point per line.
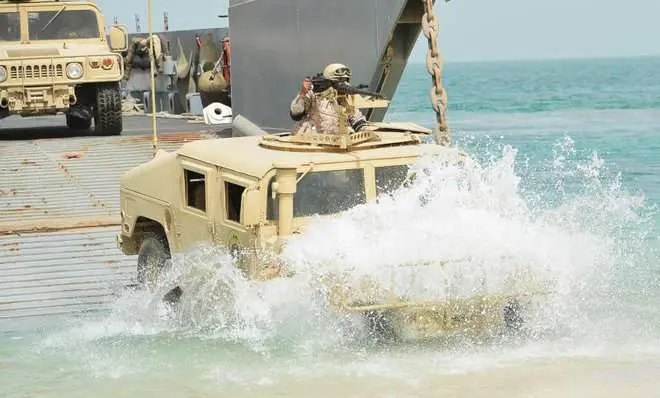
x=321, y=84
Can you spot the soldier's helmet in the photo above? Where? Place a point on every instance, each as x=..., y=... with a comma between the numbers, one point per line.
x=337, y=72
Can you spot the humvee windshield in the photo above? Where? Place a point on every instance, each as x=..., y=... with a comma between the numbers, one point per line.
x=329, y=192
x=63, y=24
x=390, y=178
x=9, y=26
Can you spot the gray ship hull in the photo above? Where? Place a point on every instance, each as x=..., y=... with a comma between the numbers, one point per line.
x=186, y=37
x=184, y=49
x=276, y=43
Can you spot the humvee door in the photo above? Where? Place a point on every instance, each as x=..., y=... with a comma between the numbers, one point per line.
x=195, y=217
x=237, y=216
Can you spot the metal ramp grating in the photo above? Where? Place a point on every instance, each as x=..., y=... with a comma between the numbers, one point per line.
x=49, y=184
x=61, y=272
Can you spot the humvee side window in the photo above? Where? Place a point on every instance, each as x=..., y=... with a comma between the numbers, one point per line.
x=9, y=28
x=390, y=178
x=233, y=198
x=195, y=190
x=272, y=212
x=323, y=192
x=67, y=24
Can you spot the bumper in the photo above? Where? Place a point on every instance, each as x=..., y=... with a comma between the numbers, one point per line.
x=37, y=99
x=479, y=315
x=475, y=313
x=474, y=316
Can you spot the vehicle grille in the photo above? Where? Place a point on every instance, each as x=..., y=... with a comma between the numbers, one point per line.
x=36, y=71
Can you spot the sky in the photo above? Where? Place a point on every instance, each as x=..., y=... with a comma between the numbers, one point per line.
x=476, y=30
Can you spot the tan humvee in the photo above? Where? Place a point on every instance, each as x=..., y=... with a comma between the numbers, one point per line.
x=54, y=57
x=255, y=191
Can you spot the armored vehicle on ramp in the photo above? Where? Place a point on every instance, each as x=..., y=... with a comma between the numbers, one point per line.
x=54, y=57
x=251, y=193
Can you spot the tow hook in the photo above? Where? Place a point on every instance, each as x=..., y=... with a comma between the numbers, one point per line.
x=4, y=99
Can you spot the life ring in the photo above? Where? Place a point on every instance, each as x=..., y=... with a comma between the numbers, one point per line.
x=226, y=57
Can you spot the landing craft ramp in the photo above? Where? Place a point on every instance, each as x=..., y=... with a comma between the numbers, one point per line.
x=275, y=43
x=59, y=213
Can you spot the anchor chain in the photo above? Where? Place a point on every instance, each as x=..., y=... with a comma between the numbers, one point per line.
x=434, y=67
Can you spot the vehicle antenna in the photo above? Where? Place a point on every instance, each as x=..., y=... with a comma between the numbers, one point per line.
x=434, y=66
x=153, y=80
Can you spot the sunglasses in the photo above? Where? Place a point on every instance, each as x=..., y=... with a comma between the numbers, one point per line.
x=343, y=72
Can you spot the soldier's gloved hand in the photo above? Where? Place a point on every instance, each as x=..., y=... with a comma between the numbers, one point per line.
x=305, y=87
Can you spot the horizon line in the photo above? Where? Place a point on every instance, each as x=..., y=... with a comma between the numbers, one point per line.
x=447, y=61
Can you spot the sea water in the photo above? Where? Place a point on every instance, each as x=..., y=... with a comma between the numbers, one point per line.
x=566, y=179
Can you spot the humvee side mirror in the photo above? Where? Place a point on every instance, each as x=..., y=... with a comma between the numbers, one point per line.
x=118, y=38
x=251, y=206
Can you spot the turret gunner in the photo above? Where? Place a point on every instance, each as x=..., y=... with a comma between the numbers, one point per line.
x=319, y=112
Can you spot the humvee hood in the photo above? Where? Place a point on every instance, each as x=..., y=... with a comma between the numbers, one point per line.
x=29, y=52
x=150, y=178
x=54, y=49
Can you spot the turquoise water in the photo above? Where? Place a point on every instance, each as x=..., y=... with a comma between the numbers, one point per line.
x=567, y=177
x=538, y=86
x=607, y=106
x=573, y=113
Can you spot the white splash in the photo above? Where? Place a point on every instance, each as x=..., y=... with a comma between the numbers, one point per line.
x=474, y=217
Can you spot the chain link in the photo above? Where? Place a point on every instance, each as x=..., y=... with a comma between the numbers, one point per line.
x=434, y=66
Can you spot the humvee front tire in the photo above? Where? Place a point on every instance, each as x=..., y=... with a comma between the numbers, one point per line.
x=76, y=123
x=378, y=326
x=108, y=119
x=513, y=314
x=152, y=257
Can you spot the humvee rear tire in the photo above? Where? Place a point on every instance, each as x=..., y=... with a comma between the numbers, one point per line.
x=76, y=123
x=152, y=257
x=108, y=119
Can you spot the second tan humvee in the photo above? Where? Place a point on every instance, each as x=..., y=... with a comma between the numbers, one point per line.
x=55, y=57
x=252, y=193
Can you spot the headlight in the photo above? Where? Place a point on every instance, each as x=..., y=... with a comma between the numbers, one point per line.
x=74, y=70
x=3, y=74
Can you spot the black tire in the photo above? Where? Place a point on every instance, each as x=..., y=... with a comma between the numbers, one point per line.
x=108, y=118
x=378, y=326
x=152, y=258
x=76, y=123
x=513, y=314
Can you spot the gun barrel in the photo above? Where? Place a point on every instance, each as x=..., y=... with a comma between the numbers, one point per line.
x=320, y=84
x=348, y=89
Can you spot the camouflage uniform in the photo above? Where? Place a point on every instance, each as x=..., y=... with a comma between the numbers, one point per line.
x=320, y=113
x=138, y=54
